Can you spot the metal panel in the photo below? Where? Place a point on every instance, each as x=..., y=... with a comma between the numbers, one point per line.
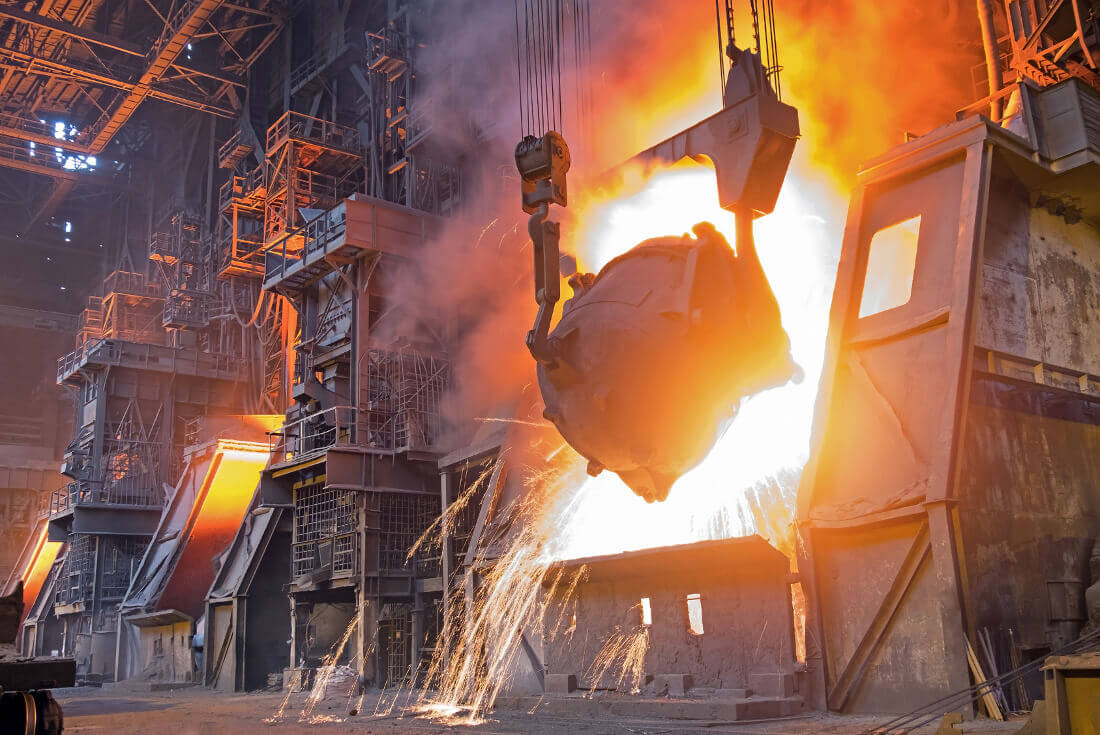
x=887, y=426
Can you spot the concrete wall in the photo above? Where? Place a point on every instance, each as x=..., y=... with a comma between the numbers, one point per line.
x=746, y=615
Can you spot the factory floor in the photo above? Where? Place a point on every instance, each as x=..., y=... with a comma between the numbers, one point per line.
x=198, y=711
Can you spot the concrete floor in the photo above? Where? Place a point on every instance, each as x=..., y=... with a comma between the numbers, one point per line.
x=198, y=711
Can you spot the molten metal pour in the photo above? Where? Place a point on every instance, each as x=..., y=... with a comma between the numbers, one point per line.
x=655, y=352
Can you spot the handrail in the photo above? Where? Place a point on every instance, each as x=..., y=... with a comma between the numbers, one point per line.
x=292, y=125
x=316, y=234
x=313, y=434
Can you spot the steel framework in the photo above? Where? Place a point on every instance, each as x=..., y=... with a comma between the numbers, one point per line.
x=56, y=63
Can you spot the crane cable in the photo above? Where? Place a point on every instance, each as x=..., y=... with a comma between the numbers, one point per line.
x=766, y=44
x=540, y=27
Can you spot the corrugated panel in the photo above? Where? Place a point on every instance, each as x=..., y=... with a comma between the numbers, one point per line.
x=1090, y=108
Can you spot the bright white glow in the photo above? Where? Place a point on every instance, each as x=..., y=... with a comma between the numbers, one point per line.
x=59, y=130
x=75, y=163
x=798, y=246
x=647, y=611
x=695, y=613
x=891, y=262
x=68, y=226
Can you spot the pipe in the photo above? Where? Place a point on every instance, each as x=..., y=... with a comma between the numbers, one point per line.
x=992, y=59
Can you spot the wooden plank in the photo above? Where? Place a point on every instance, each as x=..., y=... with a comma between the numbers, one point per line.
x=222, y=652
x=979, y=678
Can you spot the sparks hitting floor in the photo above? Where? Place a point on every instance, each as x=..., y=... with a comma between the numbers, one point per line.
x=125, y=710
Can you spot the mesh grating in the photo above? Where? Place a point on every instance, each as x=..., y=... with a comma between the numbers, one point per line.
x=405, y=392
x=395, y=640
x=76, y=582
x=121, y=555
x=403, y=518
x=324, y=530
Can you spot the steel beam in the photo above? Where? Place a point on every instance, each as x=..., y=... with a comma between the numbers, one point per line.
x=60, y=190
x=184, y=24
x=30, y=64
x=70, y=30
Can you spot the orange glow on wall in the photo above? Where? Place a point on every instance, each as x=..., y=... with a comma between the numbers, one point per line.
x=264, y=422
x=216, y=515
x=34, y=576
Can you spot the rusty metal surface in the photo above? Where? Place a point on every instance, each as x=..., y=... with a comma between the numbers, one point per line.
x=885, y=441
x=656, y=351
x=971, y=408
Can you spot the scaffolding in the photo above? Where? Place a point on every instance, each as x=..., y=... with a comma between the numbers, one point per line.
x=405, y=390
x=90, y=323
x=130, y=309
x=311, y=164
x=76, y=580
x=182, y=263
x=401, y=171
x=241, y=201
x=403, y=519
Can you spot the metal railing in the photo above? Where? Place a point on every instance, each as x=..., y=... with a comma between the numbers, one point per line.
x=132, y=284
x=145, y=356
x=162, y=247
x=34, y=126
x=306, y=129
x=247, y=189
x=68, y=364
x=140, y=490
x=229, y=146
x=313, y=434
x=312, y=237
x=64, y=497
x=104, y=349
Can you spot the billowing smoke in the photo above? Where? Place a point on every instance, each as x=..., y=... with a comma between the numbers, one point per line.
x=862, y=74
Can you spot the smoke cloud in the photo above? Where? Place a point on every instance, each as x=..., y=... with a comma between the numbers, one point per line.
x=862, y=73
